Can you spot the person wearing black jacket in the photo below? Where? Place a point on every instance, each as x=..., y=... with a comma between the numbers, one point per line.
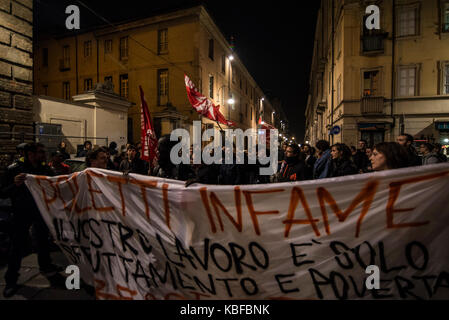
x=310, y=159
x=360, y=158
x=62, y=149
x=341, y=164
x=133, y=164
x=25, y=214
x=406, y=141
x=294, y=167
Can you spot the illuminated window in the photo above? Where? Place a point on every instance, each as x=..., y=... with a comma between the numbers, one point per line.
x=371, y=83
x=162, y=41
x=124, y=85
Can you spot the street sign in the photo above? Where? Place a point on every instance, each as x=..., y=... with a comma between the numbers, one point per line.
x=336, y=130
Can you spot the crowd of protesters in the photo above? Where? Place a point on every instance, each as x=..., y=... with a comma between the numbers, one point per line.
x=295, y=163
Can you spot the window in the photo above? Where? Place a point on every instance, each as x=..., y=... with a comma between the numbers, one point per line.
x=88, y=84
x=240, y=83
x=87, y=48
x=408, y=18
x=223, y=63
x=66, y=90
x=371, y=83
x=211, y=87
x=45, y=89
x=66, y=57
x=162, y=41
x=445, y=77
x=45, y=57
x=211, y=49
x=234, y=75
x=162, y=87
x=338, y=43
x=339, y=89
x=123, y=48
x=445, y=19
x=407, y=81
x=124, y=85
x=108, y=79
x=108, y=46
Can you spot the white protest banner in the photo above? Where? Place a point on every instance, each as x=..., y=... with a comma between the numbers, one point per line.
x=139, y=237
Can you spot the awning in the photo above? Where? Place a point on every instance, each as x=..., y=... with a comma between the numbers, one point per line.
x=371, y=126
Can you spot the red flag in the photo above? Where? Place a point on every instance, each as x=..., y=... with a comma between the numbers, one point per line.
x=203, y=105
x=148, y=136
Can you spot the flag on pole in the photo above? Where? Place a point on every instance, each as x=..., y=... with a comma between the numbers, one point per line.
x=148, y=136
x=203, y=105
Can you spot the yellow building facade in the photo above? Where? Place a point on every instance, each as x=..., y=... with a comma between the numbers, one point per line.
x=155, y=53
x=376, y=84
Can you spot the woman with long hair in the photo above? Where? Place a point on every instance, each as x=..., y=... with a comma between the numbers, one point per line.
x=389, y=155
x=342, y=164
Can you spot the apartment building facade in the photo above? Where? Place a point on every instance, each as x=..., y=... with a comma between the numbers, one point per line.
x=376, y=84
x=155, y=53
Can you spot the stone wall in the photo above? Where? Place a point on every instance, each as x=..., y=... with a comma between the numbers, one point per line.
x=16, y=75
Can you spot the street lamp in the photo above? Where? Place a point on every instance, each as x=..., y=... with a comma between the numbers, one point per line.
x=446, y=140
x=231, y=101
x=231, y=57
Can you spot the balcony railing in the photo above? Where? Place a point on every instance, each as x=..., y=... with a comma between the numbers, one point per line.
x=64, y=64
x=373, y=43
x=372, y=105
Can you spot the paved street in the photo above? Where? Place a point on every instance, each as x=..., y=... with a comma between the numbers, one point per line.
x=35, y=286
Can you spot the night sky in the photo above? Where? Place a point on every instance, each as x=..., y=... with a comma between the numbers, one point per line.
x=274, y=39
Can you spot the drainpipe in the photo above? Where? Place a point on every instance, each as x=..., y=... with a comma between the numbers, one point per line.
x=393, y=66
x=98, y=62
x=332, y=72
x=76, y=63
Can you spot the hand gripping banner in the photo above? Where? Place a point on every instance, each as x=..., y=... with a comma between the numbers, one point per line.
x=139, y=237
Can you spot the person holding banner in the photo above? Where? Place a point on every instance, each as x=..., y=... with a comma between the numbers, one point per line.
x=25, y=214
x=389, y=155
